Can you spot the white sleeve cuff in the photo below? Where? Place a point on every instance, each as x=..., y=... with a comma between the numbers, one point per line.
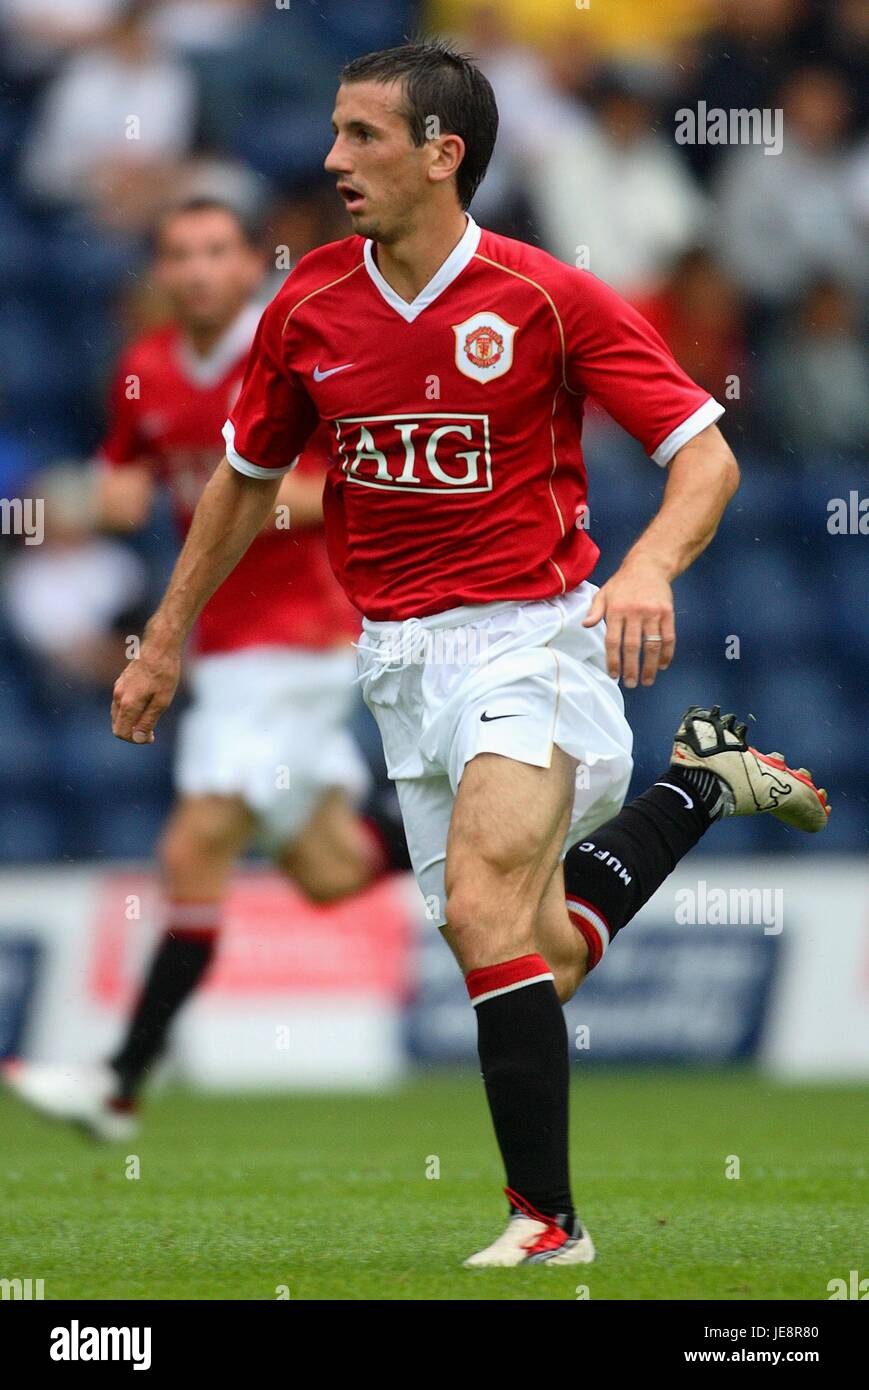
x=242, y=465
x=709, y=412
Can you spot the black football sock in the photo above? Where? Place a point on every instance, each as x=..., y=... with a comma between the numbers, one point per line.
x=179, y=964
x=522, y=1042
x=610, y=875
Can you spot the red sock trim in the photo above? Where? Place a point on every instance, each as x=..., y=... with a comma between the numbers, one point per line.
x=591, y=934
x=123, y=1105
x=508, y=975
x=377, y=850
x=189, y=920
x=206, y=935
x=518, y=1203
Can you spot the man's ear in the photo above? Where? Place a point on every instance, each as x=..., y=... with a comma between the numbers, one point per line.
x=450, y=153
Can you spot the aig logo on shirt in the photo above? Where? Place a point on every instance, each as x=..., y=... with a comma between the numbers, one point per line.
x=417, y=453
x=484, y=346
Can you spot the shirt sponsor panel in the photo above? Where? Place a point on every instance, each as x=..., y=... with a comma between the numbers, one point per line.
x=442, y=452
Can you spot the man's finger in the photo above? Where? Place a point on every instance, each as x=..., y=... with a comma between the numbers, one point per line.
x=124, y=717
x=131, y=715
x=597, y=610
x=117, y=696
x=652, y=644
x=143, y=729
x=668, y=645
x=631, y=645
x=614, y=626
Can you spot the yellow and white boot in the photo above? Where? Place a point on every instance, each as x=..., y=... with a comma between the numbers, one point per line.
x=752, y=782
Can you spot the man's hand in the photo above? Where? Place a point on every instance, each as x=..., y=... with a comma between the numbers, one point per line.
x=143, y=691
x=638, y=601
x=638, y=606
x=231, y=511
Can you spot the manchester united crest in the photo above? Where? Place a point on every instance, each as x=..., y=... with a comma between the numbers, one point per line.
x=484, y=346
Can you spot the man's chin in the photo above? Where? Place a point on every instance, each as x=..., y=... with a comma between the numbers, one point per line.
x=212, y=320
x=364, y=224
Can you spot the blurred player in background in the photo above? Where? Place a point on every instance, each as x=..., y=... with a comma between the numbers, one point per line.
x=263, y=747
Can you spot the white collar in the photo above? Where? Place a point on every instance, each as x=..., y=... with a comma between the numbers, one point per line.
x=230, y=346
x=452, y=267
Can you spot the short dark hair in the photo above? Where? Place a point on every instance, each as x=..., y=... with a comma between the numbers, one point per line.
x=249, y=223
x=439, y=81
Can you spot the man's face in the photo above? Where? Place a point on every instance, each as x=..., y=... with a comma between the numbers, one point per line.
x=206, y=267
x=381, y=175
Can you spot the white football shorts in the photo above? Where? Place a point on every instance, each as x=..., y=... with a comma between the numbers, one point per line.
x=268, y=724
x=508, y=678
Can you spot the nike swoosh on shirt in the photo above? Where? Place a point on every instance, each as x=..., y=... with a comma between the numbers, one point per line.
x=330, y=371
x=487, y=718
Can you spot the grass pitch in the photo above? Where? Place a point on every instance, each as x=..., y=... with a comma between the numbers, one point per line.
x=329, y=1196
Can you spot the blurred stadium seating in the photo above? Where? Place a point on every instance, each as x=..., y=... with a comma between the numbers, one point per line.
x=73, y=285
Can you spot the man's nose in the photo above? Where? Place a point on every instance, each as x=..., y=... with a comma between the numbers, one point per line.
x=335, y=162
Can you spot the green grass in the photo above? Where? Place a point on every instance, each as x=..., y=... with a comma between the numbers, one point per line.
x=329, y=1195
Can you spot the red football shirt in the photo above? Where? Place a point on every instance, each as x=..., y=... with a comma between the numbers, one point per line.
x=453, y=424
x=167, y=410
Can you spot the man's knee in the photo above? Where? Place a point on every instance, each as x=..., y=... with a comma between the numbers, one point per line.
x=486, y=921
x=202, y=832
x=325, y=880
x=569, y=975
x=334, y=856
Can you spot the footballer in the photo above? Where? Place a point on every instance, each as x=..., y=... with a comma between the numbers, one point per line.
x=443, y=370
x=271, y=666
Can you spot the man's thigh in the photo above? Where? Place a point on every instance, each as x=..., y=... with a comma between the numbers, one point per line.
x=200, y=844
x=331, y=858
x=505, y=839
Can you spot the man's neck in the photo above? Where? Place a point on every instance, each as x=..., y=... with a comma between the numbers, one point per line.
x=201, y=341
x=409, y=264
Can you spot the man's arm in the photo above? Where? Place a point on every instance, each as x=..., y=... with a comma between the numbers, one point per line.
x=637, y=601
x=123, y=497
x=231, y=511
x=303, y=495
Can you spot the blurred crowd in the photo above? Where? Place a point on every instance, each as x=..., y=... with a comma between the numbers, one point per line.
x=750, y=260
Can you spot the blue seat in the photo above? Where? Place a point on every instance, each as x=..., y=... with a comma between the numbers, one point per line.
x=819, y=480
x=352, y=29
x=31, y=829
x=115, y=828
x=624, y=487
x=91, y=761
x=764, y=502
x=40, y=376
x=19, y=249
x=805, y=713
x=289, y=143
x=846, y=585
x=85, y=260
x=763, y=591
